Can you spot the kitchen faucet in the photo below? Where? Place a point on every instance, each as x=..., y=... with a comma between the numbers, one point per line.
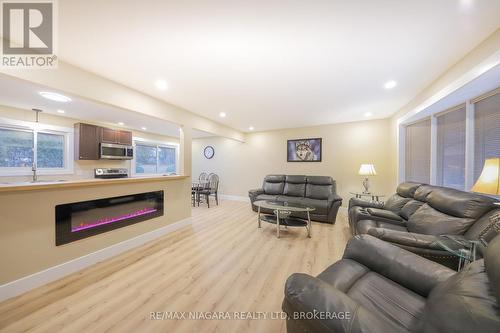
x=33, y=165
x=33, y=168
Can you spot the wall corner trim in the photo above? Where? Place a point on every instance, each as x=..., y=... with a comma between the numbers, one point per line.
x=27, y=283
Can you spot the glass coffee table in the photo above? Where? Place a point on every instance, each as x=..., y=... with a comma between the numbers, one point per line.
x=282, y=211
x=462, y=248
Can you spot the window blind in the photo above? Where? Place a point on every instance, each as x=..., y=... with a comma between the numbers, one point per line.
x=450, y=162
x=418, y=152
x=486, y=131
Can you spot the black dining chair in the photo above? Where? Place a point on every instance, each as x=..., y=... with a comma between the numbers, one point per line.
x=212, y=189
x=196, y=187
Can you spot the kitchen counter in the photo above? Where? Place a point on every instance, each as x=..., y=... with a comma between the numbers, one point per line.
x=41, y=185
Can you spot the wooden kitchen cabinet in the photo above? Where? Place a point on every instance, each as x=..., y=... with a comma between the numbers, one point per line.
x=125, y=137
x=109, y=135
x=87, y=139
x=116, y=136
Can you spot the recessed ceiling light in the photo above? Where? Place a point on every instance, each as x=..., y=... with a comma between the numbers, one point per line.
x=368, y=114
x=466, y=4
x=144, y=128
x=222, y=114
x=55, y=96
x=121, y=123
x=61, y=111
x=161, y=84
x=390, y=84
x=251, y=128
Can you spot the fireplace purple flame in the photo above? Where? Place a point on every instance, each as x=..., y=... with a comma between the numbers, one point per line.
x=106, y=220
x=79, y=220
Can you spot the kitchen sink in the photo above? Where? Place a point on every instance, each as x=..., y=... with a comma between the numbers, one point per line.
x=34, y=182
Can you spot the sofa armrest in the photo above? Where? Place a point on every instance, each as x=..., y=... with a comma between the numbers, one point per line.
x=363, y=203
x=306, y=296
x=406, y=238
x=384, y=213
x=255, y=192
x=401, y=266
x=334, y=197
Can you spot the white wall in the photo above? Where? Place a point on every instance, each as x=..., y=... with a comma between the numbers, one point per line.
x=242, y=166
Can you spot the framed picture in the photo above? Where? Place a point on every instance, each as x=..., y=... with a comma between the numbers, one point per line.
x=304, y=150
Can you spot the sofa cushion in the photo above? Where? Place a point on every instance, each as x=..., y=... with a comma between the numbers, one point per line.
x=343, y=274
x=363, y=226
x=320, y=206
x=429, y=221
x=395, y=203
x=274, y=184
x=266, y=197
x=319, y=187
x=459, y=203
x=291, y=200
x=410, y=208
x=407, y=190
x=422, y=192
x=384, y=213
x=320, y=180
x=295, y=186
x=482, y=229
x=388, y=299
x=463, y=303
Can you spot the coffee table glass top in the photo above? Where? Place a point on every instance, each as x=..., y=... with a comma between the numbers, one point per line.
x=283, y=206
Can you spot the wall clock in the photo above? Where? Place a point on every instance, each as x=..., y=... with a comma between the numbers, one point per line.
x=209, y=152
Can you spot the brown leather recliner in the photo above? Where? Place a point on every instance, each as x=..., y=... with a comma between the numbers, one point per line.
x=378, y=287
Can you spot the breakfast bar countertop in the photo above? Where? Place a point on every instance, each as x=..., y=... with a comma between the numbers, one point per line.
x=55, y=184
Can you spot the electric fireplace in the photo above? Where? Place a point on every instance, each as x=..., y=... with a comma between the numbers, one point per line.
x=79, y=220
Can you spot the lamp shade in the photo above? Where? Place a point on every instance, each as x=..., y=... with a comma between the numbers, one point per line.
x=489, y=180
x=367, y=170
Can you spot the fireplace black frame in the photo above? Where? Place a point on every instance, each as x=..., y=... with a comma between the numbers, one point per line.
x=65, y=235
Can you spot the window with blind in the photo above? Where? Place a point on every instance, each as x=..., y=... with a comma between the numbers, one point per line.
x=450, y=162
x=418, y=152
x=486, y=131
x=151, y=158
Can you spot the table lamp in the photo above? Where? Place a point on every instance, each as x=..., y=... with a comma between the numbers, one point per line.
x=489, y=180
x=489, y=183
x=367, y=170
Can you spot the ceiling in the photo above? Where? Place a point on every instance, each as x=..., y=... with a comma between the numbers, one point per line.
x=275, y=64
x=480, y=85
x=25, y=95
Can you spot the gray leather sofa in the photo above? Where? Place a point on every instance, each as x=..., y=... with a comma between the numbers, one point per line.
x=378, y=287
x=316, y=191
x=417, y=214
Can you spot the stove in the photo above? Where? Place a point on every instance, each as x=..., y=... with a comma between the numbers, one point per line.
x=110, y=173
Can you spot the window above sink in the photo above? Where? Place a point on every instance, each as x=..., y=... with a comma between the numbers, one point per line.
x=23, y=142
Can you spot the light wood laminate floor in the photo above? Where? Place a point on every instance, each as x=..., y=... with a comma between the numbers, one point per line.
x=222, y=262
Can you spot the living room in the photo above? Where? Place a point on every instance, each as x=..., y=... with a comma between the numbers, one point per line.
x=321, y=166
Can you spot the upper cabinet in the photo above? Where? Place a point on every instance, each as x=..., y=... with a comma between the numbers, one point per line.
x=125, y=137
x=108, y=135
x=116, y=136
x=88, y=137
x=86, y=141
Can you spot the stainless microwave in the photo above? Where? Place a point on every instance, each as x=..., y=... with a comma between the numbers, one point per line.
x=111, y=151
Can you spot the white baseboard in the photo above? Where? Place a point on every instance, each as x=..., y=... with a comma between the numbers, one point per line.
x=24, y=284
x=234, y=197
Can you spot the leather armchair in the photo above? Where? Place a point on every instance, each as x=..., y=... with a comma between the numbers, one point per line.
x=378, y=287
